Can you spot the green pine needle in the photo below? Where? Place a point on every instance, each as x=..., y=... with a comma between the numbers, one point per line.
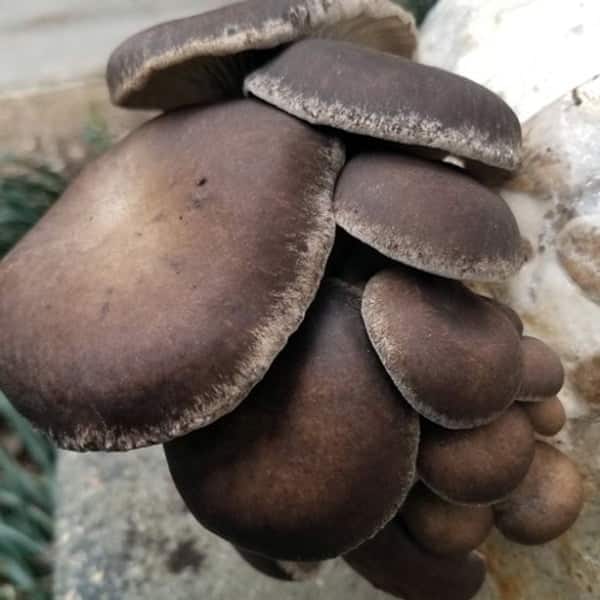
x=26, y=480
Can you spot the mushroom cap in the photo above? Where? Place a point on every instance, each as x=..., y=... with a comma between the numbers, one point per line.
x=477, y=466
x=204, y=58
x=158, y=290
x=542, y=373
x=454, y=357
x=313, y=462
x=508, y=312
x=430, y=216
x=547, y=502
x=442, y=527
x=375, y=94
x=547, y=417
x=392, y=562
x=283, y=570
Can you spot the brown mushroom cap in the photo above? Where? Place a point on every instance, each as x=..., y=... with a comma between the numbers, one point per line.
x=428, y=215
x=392, y=562
x=547, y=502
x=384, y=96
x=204, y=58
x=283, y=570
x=509, y=312
x=155, y=294
x=478, y=466
x=547, y=417
x=543, y=373
x=442, y=527
x=318, y=458
x=454, y=357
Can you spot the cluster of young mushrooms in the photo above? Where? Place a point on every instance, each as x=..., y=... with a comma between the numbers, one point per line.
x=269, y=279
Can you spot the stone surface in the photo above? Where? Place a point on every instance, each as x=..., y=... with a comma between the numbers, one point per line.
x=528, y=51
x=123, y=533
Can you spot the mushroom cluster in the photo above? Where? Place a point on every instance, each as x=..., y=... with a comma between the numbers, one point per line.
x=272, y=279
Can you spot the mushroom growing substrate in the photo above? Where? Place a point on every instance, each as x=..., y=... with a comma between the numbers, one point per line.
x=275, y=278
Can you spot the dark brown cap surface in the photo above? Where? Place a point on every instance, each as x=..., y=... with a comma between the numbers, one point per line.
x=547, y=502
x=548, y=417
x=477, y=466
x=543, y=373
x=158, y=290
x=318, y=458
x=379, y=95
x=204, y=58
x=428, y=215
x=442, y=527
x=454, y=357
x=392, y=562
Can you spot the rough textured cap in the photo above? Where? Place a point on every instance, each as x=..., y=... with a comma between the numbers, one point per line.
x=547, y=502
x=442, y=527
x=543, y=373
x=204, y=58
x=548, y=417
x=478, y=466
x=383, y=96
x=392, y=562
x=283, y=570
x=454, y=357
x=428, y=215
x=315, y=461
x=154, y=295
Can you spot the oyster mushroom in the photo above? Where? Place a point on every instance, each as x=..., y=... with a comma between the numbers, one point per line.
x=546, y=503
x=547, y=417
x=163, y=298
x=371, y=93
x=454, y=357
x=158, y=290
x=442, y=527
x=477, y=466
x=392, y=562
x=291, y=473
x=542, y=372
x=204, y=58
x=429, y=216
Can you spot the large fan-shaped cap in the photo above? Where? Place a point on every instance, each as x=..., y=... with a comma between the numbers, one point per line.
x=428, y=215
x=204, y=58
x=318, y=458
x=454, y=356
x=159, y=289
x=383, y=96
x=392, y=562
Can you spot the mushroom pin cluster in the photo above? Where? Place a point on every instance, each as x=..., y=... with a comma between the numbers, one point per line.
x=270, y=279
